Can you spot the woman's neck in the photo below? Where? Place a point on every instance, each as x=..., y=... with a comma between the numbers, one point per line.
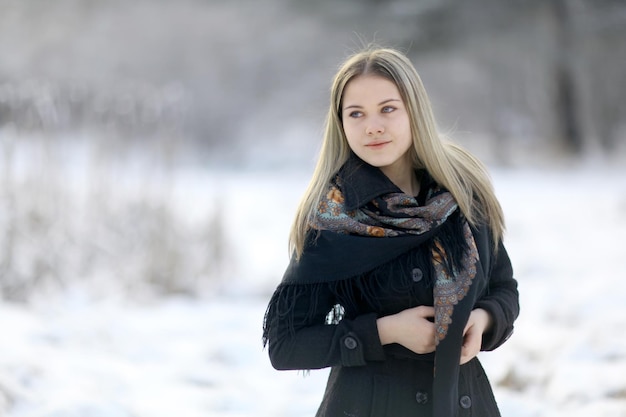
x=404, y=178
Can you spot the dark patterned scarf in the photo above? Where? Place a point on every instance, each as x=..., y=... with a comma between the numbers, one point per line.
x=398, y=214
x=347, y=243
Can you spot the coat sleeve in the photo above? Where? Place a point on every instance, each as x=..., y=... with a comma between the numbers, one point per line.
x=501, y=300
x=303, y=339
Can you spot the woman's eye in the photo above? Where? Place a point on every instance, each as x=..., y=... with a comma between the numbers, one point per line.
x=388, y=109
x=356, y=114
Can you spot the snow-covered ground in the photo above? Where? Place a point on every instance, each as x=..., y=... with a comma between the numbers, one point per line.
x=72, y=355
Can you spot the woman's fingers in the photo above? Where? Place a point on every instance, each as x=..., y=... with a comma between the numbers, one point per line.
x=472, y=342
x=425, y=311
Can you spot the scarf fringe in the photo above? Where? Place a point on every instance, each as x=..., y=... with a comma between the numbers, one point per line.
x=349, y=296
x=452, y=246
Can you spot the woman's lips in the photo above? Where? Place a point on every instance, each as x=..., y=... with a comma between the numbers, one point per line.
x=377, y=145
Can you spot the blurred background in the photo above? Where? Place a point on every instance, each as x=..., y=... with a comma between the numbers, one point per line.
x=152, y=154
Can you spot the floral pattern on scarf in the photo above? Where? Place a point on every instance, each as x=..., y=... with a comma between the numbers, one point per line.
x=397, y=214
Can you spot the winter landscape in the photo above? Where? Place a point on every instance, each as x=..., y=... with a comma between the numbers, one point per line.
x=152, y=156
x=76, y=353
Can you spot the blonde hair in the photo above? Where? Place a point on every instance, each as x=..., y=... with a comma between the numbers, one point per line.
x=450, y=165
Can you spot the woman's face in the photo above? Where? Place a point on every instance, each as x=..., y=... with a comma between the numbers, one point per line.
x=377, y=124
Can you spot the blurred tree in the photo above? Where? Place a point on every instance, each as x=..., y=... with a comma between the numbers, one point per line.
x=550, y=69
x=567, y=120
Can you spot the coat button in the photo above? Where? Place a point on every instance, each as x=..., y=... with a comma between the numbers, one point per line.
x=421, y=397
x=350, y=342
x=465, y=401
x=417, y=274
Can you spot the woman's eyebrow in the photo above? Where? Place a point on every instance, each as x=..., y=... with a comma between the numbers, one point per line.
x=356, y=106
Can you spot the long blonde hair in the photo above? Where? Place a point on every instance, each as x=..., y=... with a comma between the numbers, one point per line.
x=450, y=165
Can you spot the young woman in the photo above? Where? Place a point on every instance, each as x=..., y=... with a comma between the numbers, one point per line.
x=398, y=276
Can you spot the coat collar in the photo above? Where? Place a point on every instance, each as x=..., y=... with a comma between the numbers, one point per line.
x=362, y=182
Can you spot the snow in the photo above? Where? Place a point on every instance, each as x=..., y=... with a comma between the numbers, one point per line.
x=72, y=354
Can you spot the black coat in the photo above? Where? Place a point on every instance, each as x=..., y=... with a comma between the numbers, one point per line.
x=368, y=379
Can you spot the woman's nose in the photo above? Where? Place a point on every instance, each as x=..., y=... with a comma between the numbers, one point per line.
x=374, y=128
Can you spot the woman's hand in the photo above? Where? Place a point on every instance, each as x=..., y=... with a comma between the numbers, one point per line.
x=410, y=328
x=479, y=322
